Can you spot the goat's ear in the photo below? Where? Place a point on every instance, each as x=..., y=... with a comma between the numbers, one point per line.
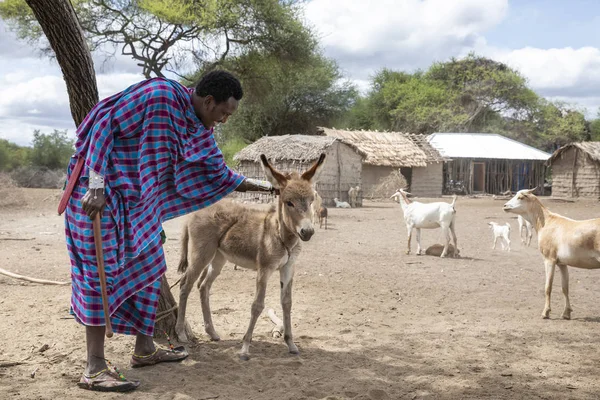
x=277, y=179
x=313, y=173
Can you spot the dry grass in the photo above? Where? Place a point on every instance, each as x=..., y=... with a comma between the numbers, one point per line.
x=387, y=186
x=10, y=194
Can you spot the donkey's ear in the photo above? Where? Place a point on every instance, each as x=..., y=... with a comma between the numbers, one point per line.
x=314, y=171
x=277, y=179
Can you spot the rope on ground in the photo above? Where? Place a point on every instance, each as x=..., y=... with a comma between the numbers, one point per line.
x=164, y=314
x=34, y=280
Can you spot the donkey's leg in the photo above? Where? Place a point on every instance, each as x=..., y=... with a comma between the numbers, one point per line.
x=564, y=272
x=201, y=255
x=258, y=306
x=208, y=277
x=549, y=278
x=418, y=241
x=286, y=276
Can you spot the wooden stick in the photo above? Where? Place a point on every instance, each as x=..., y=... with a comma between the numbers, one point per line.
x=34, y=280
x=10, y=364
x=278, y=329
x=102, y=273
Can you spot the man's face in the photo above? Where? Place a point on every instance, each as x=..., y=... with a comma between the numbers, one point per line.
x=219, y=112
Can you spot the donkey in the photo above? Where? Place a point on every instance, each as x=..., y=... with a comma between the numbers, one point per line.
x=265, y=241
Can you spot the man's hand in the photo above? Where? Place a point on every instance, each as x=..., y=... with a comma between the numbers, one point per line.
x=93, y=202
x=254, y=185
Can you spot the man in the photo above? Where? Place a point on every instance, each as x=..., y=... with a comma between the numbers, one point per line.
x=149, y=156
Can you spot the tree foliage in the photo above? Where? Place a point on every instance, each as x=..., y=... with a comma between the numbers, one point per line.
x=473, y=94
x=51, y=150
x=287, y=96
x=13, y=156
x=168, y=35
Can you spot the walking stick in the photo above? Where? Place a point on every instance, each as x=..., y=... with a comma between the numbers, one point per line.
x=101, y=273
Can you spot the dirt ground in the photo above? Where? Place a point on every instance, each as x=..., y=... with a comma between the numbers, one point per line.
x=370, y=321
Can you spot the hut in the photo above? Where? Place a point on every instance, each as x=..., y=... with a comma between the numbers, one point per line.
x=490, y=163
x=576, y=170
x=386, y=152
x=342, y=167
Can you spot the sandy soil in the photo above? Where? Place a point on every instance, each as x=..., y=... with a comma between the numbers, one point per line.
x=371, y=322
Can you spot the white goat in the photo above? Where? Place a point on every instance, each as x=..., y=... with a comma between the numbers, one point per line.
x=315, y=207
x=428, y=216
x=501, y=232
x=341, y=204
x=525, y=227
x=353, y=195
x=561, y=240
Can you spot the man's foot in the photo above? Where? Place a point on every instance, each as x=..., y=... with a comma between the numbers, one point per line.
x=159, y=355
x=107, y=381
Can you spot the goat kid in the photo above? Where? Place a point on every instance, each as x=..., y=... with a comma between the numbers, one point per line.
x=428, y=216
x=322, y=217
x=502, y=233
x=525, y=230
x=341, y=204
x=353, y=195
x=561, y=240
x=265, y=241
x=315, y=207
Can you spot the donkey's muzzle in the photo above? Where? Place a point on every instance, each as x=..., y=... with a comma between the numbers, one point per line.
x=306, y=233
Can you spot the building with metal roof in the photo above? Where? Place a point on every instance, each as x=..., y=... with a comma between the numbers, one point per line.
x=489, y=163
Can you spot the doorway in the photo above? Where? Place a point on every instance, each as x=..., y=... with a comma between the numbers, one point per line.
x=478, y=177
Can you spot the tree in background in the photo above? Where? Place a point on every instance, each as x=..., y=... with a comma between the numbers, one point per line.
x=473, y=94
x=169, y=35
x=52, y=150
x=290, y=87
x=13, y=156
x=595, y=127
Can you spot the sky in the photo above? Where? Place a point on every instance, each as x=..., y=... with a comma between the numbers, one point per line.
x=554, y=44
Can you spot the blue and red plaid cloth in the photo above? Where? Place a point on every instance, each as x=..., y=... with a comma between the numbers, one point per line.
x=159, y=162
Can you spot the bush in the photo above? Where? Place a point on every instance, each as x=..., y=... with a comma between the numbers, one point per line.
x=39, y=177
x=10, y=194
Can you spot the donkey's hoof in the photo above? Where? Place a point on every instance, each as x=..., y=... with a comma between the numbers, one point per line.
x=215, y=338
x=244, y=357
x=181, y=336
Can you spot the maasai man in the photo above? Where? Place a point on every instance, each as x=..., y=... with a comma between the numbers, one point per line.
x=150, y=155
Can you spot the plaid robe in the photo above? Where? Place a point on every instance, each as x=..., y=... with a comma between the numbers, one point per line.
x=158, y=162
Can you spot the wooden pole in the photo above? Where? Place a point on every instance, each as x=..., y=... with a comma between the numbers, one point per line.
x=102, y=273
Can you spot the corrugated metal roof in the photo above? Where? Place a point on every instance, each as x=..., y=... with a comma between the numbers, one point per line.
x=484, y=145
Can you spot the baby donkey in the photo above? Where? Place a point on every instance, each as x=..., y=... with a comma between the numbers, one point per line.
x=264, y=241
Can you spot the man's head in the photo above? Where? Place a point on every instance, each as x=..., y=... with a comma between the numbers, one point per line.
x=216, y=97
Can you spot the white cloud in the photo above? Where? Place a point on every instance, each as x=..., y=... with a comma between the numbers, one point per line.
x=411, y=34
x=557, y=72
x=405, y=34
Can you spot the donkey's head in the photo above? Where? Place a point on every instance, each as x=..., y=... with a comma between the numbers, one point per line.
x=296, y=194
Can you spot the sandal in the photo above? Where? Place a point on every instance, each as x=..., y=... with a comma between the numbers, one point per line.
x=107, y=381
x=159, y=356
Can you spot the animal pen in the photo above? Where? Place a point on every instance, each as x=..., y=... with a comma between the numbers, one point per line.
x=389, y=152
x=490, y=163
x=576, y=170
x=341, y=170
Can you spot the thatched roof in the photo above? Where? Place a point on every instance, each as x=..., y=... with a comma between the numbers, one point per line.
x=390, y=149
x=302, y=148
x=591, y=149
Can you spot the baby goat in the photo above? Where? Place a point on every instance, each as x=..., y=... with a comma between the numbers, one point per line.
x=341, y=204
x=501, y=232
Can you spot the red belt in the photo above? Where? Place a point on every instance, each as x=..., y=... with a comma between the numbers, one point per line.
x=70, y=185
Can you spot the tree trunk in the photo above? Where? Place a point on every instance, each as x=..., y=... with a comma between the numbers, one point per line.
x=166, y=317
x=61, y=26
